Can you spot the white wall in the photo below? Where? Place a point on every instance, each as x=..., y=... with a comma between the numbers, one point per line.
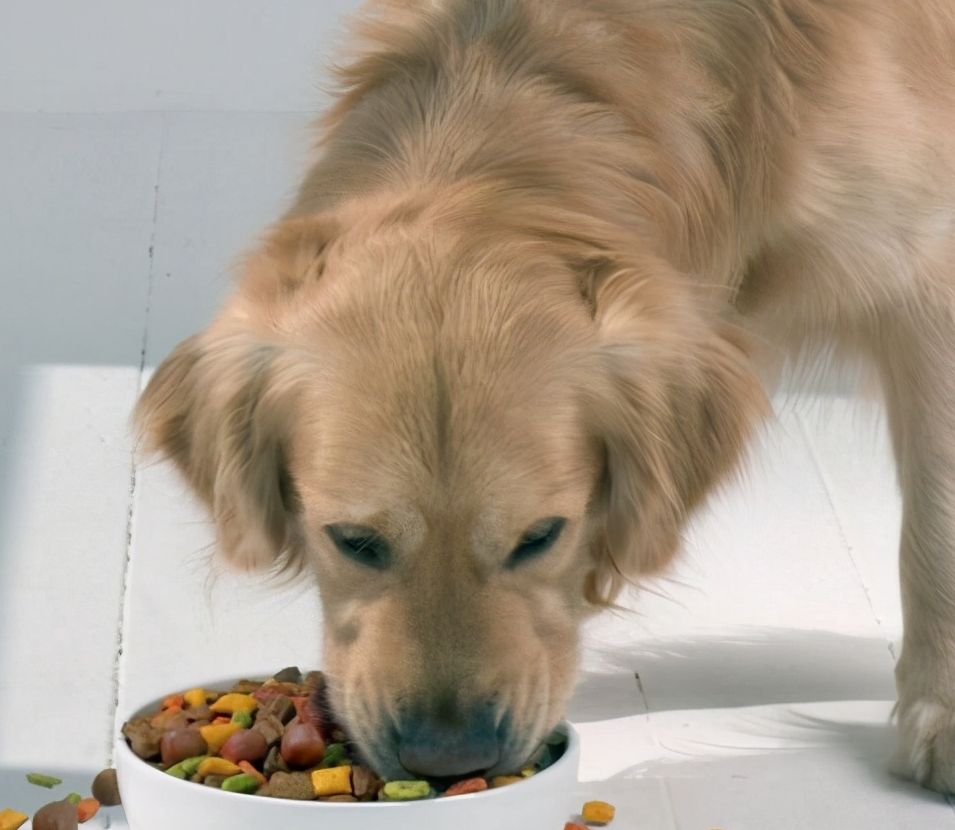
x=128, y=55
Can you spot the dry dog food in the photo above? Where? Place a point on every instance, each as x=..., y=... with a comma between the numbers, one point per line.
x=277, y=738
x=11, y=819
x=597, y=812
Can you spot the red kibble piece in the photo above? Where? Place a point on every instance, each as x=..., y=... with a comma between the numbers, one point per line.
x=178, y=744
x=245, y=745
x=302, y=745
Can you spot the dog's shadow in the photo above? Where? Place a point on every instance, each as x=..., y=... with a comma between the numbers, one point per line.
x=756, y=668
x=784, y=677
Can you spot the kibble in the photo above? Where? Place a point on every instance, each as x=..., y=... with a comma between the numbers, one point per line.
x=302, y=744
x=60, y=815
x=470, y=785
x=47, y=781
x=240, y=783
x=11, y=819
x=332, y=781
x=178, y=744
x=406, y=790
x=87, y=808
x=597, y=812
x=276, y=739
x=106, y=788
x=245, y=745
x=216, y=734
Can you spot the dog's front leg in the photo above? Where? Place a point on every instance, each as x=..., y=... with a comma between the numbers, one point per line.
x=917, y=363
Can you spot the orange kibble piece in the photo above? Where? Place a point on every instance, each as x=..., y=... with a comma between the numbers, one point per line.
x=86, y=809
x=217, y=766
x=216, y=734
x=598, y=812
x=174, y=702
x=248, y=769
x=504, y=780
x=332, y=781
x=234, y=702
x=470, y=785
x=195, y=698
x=11, y=819
x=571, y=826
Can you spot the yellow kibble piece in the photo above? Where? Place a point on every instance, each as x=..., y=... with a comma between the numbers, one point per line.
x=598, y=812
x=504, y=780
x=528, y=771
x=216, y=734
x=234, y=702
x=217, y=766
x=11, y=819
x=332, y=781
x=195, y=697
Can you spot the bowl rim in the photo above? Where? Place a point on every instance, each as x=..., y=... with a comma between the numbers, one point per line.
x=571, y=750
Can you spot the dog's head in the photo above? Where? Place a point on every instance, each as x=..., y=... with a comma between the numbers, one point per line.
x=475, y=438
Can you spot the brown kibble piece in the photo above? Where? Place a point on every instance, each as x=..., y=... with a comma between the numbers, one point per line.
x=198, y=715
x=344, y=798
x=365, y=784
x=294, y=785
x=214, y=780
x=270, y=727
x=292, y=674
x=274, y=763
x=143, y=738
x=244, y=745
x=302, y=744
x=60, y=815
x=178, y=744
x=246, y=687
x=279, y=707
x=106, y=788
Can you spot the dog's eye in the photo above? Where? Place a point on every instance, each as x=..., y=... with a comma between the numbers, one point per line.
x=361, y=544
x=536, y=541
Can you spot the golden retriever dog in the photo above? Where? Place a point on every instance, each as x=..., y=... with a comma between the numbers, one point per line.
x=511, y=333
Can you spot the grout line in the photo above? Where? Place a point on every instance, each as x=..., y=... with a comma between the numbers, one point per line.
x=121, y=634
x=827, y=486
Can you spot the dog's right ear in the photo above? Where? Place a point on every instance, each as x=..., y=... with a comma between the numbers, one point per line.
x=221, y=405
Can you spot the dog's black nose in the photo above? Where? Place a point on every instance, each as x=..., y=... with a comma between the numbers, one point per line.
x=449, y=741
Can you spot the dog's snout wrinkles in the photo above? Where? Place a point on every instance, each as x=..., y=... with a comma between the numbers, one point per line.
x=443, y=741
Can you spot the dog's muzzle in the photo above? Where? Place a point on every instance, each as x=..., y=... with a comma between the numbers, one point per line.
x=432, y=743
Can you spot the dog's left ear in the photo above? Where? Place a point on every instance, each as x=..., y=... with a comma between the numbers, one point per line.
x=673, y=398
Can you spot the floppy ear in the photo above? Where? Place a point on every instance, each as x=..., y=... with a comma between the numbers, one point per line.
x=220, y=405
x=673, y=401
x=220, y=409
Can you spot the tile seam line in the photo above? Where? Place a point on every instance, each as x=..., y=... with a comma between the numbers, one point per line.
x=121, y=634
x=843, y=536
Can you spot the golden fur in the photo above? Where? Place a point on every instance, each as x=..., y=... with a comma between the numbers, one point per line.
x=545, y=249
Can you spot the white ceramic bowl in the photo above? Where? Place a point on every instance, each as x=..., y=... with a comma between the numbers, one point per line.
x=153, y=800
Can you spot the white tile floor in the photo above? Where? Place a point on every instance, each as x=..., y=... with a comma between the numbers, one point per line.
x=750, y=692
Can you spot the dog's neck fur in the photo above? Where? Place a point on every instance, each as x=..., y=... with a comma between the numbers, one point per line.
x=687, y=183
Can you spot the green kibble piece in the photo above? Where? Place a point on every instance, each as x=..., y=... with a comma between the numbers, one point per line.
x=407, y=790
x=74, y=798
x=241, y=783
x=47, y=781
x=187, y=768
x=244, y=719
x=334, y=756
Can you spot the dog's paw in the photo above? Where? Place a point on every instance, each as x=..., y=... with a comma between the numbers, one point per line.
x=926, y=752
